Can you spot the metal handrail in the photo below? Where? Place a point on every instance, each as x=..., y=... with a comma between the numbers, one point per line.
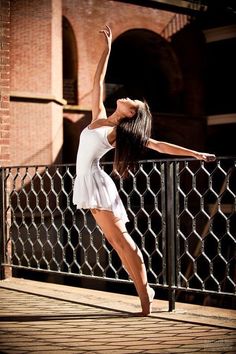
x=186, y=245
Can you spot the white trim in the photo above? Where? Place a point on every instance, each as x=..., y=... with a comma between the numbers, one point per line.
x=221, y=119
x=220, y=33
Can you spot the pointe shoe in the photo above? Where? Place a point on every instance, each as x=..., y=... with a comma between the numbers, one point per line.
x=147, y=305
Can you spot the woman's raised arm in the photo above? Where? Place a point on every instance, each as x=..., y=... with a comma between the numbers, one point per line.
x=167, y=148
x=98, y=109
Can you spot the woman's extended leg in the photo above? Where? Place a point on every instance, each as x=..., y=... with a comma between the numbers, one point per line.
x=131, y=257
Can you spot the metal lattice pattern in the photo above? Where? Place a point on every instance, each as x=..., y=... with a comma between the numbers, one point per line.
x=47, y=233
x=206, y=226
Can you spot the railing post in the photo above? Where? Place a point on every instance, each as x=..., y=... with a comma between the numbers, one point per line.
x=2, y=223
x=5, y=242
x=170, y=232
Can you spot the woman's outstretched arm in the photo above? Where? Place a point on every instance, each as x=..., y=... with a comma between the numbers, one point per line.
x=98, y=109
x=167, y=148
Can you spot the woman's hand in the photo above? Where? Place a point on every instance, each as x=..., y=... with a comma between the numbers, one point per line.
x=108, y=35
x=204, y=156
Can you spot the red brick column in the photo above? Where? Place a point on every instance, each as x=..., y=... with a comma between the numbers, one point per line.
x=6, y=272
x=36, y=82
x=4, y=82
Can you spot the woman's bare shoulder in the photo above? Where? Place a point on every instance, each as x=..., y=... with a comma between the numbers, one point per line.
x=97, y=123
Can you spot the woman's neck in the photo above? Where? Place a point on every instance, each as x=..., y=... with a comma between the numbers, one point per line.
x=114, y=118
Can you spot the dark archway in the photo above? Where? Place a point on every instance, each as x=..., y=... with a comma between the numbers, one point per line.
x=70, y=64
x=143, y=65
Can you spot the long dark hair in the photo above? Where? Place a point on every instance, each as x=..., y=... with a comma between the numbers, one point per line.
x=132, y=135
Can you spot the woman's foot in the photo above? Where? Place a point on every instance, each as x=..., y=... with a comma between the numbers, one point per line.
x=146, y=303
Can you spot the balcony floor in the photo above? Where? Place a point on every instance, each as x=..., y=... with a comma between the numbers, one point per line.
x=38, y=317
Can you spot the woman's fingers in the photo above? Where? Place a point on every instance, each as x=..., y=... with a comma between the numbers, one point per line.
x=106, y=31
x=206, y=157
x=108, y=28
x=209, y=157
x=108, y=35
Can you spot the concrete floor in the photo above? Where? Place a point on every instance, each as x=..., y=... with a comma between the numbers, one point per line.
x=37, y=317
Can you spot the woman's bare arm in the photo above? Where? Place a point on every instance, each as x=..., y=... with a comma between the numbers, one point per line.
x=98, y=109
x=171, y=149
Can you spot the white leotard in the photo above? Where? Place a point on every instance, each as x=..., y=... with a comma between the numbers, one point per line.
x=93, y=188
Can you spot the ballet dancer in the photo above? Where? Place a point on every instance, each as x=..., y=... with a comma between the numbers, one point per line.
x=127, y=130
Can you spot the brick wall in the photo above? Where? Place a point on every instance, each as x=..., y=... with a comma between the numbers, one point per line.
x=88, y=17
x=4, y=82
x=36, y=65
x=36, y=84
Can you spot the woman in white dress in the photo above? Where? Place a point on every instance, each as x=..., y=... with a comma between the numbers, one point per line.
x=128, y=131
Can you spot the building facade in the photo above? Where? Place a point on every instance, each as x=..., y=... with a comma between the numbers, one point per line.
x=49, y=53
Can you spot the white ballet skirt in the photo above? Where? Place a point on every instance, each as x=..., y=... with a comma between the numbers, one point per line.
x=93, y=188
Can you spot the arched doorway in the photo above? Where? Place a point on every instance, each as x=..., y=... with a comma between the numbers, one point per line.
x=70, y=64
x=143, y=65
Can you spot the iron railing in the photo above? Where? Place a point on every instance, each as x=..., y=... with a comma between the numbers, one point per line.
x=182, y=216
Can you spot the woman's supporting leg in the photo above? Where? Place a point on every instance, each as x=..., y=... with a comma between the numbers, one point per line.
x=130, y=255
